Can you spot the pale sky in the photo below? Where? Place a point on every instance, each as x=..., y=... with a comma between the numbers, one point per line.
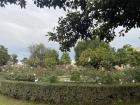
x=20, y=28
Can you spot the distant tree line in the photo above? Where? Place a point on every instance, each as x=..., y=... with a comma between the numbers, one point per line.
x=92, y=53
x=97, y=54
x=42, y=56
x=5, y=57
x=39, y=56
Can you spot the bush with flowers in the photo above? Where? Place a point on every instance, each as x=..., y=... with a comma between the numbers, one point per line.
x=81, y=75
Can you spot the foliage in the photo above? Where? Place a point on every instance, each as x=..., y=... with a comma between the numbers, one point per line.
x=51, y=57
x=30, y=73
x=53, y=79
x=75, y=76
x=13, y=58
x=79, y=75
x=70, y=29
x=98, y=58
x=37, y=52
x=43, y=57
x=44, y=3
x=34, y=62
x=135, y=74
x=17, y=76
x=4, y=56
x=89, y=44
x=65, y=58
x=95, y=18
x=75, y=94
x=124, y=55
x=24, y=60
x=99, y=54
x=85, y=57
x=128, y=55
x=135, y=58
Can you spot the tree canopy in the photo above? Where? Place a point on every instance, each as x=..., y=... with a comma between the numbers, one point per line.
x=128, y=55
x=46, y=3
x=89, y=44
x=4, y=56
x=86, y=19
x=14, y=58
x=65, y=58
x=37, y=54
x=96, y=18
x=51, y=57
x=98, y=57
x=97, y=54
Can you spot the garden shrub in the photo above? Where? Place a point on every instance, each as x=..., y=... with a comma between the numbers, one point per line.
x=81, y=74
x=75, y=76
x=43, y=79
x=71, y=94
x=20, y=77
x=53, y=79
x=136, y=74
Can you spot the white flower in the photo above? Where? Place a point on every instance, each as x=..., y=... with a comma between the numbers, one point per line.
x=133, y=81
x=89, y=59
x=34, y=74
x=12, y=73
x=36, y=80
x=100, y=83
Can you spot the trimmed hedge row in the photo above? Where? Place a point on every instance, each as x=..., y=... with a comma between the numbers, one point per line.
x=71, y=94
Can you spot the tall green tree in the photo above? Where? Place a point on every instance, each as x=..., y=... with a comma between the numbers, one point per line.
x=96, y=18
x=135, y=58
x=37, y=54
x=97, y=58
x=65, y=58
x=128, y=55
x=34, y=62
x=51, y=57
x=89, y=44
x=14, y=58
x=4, y=56
x=124, y=55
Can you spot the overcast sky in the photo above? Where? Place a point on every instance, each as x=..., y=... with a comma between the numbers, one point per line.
x=19, y=28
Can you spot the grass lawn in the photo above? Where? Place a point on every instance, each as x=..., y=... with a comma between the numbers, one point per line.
x=10, y=101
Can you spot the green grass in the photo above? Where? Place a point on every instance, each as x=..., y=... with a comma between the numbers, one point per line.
x=10, y=101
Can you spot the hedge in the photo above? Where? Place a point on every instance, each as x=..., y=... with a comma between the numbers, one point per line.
x=71, y=94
